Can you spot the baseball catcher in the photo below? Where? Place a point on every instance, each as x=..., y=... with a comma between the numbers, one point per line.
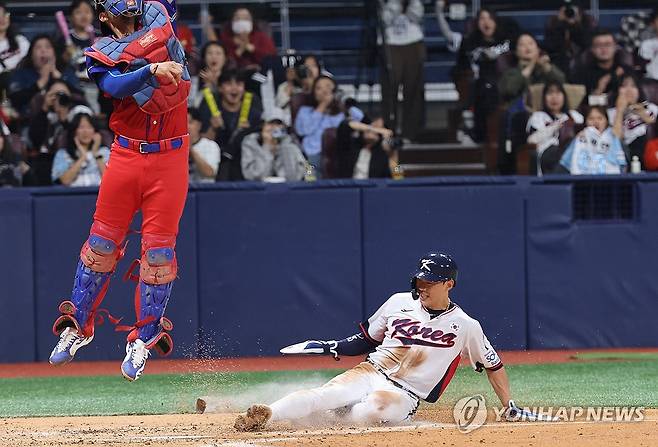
x=414, y=343
x=141, y=65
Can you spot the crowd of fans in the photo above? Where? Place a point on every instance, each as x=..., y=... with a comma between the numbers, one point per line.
x=54, y=122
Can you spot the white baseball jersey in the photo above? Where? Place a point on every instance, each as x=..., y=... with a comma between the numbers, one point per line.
x=421, y=351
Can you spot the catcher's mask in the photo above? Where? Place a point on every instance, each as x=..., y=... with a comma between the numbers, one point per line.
x=127, y=8
x=434, y=267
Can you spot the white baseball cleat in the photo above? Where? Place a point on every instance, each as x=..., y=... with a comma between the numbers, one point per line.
x=254, y=419
x=135, y=360
x=69, y=343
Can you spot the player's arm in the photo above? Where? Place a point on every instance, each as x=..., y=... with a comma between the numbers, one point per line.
x=122, y=85
x=500, y=384
x=357, y=344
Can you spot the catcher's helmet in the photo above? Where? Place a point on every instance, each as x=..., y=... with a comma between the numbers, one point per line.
x=128, y=8
x=434, y=267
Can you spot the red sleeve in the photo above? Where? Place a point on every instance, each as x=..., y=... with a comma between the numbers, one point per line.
x=226, y=37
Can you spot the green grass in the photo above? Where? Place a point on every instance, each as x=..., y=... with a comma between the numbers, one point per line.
x=622, y=383
x=611, y=356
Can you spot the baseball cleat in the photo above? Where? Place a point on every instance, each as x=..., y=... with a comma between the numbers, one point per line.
x=135, y=360
x=254, y=419
x=69, y=343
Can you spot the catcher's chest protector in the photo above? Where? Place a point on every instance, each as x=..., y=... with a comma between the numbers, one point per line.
x=154, y=42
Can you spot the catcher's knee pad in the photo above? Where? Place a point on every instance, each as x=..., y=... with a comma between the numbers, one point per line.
x=98, y=258
x=158, y=264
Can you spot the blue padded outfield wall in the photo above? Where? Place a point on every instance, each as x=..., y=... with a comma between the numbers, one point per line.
x=266, y=265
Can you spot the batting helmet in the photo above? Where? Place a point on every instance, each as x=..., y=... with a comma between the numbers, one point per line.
x=128, y=8
x=434, y=267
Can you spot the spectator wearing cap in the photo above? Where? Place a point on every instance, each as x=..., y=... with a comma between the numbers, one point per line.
x=82, y=162
x=246, y=46
x=603, y=70
x=204, y=153
x=36, y=70
x=13, y=46
x=272, y=152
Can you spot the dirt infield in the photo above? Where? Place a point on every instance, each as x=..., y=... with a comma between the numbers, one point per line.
x=433, y=426
x=183, y=366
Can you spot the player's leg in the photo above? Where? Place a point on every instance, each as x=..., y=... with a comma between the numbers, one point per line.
x=345, y=389
x=385, y=404
x=115, y=208
x=163, y=201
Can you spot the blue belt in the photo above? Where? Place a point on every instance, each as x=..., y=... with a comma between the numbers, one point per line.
x=144, y=147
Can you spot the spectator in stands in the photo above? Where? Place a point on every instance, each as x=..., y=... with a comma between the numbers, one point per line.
x=204, y=153
x=213, y=63
x=12, y=167
x=567, y=35
x=364, y=149
x=532, y=68
x=246, y=46
x=40, y=66
x=239, y=112
x=13, y=47
x=596, y=149
x=300, y=78
x=478, y=54
x=632, y=116
x=272, y=152
x=81, y=35
x=238, y=109
x=552, y=128
x=648, y=50
x=453, y=38
x=47, y=125
x=324, y=112
x=602, y=72
x=82, y=162
x=188, y=41
x=404, y=65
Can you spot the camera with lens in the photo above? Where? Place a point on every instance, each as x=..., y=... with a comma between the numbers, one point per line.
x=570, y=10
x=63, y=99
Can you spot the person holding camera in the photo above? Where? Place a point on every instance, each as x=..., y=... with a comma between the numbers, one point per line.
x=48, y=123
x=567, y=34
x=82, y=162
x=272, y=152
x=301, y=73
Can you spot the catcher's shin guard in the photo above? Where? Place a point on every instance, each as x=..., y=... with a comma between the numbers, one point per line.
x=157, y=272
x=98, y=259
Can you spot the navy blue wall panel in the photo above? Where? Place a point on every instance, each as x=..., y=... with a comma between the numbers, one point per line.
x=279, y=266
x=63, y=223
x=482, y=226
x=590, y=284
x=16, y=289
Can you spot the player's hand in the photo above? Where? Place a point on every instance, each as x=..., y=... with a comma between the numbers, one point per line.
x=170, y=70
x=312, y=347
x=515, y=414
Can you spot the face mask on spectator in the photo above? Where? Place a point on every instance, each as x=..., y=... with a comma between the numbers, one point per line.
x=242, y=26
